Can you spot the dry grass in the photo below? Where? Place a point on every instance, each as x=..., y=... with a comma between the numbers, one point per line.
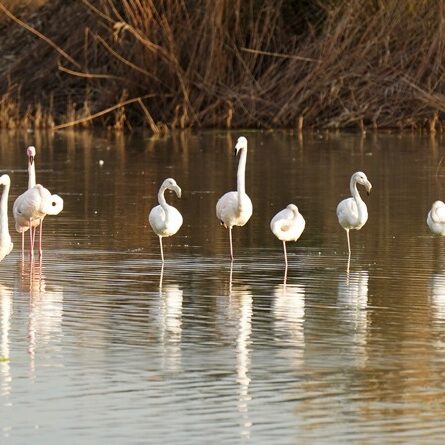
x=226, y=63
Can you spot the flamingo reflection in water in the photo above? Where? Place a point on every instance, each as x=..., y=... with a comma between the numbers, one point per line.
x=437, y=295
x=352, y=303
x=241, y=308
x=6, y=308
x=45, y=309
x=289, y=314
x=170, y=320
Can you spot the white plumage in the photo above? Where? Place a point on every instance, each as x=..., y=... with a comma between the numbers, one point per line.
x=30, y=153
x=436, y=218
x=31, y=207
x=288, y=225
x=164, y=219
x=235, y=208
x=352, y=213
x=6, y=244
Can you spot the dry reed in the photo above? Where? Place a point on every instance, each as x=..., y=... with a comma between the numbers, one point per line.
x=229, y=63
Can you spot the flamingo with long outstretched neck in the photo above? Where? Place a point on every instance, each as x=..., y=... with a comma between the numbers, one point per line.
x=235, y=208
x=30, y=153
x=6, y=244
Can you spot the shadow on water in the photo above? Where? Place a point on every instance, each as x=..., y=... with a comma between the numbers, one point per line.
x=100, y=341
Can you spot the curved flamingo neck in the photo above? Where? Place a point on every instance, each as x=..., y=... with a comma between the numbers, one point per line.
x=163, y=203
x=31, y=174
x=241, y=174
x=161, y=198
x=434, y=215
x=4, y=210
x=356, y=195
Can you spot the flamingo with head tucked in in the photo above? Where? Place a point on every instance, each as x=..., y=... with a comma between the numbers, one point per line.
x=31, y=207
x=436, y=218
x=288, y=225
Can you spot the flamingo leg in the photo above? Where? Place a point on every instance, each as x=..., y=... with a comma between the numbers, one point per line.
x=31, y=240
x=285, y=262
x=40, y=238
x=349, y=243
x=23, y=244
x=285, y=253
x=230, y=239
x=162, y=250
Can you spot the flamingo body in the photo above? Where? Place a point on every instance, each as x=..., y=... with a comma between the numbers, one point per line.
x=233, y=212
x=436, y=218
x=235, y=208
x=6, y=244
x=162, y=225
x=34, y=204
x=21, y=225
x=288, y=224
x=164, y=219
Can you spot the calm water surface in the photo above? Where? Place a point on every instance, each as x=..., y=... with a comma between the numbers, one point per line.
x=100, y=344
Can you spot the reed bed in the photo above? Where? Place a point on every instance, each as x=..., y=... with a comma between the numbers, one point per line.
x=227, y=63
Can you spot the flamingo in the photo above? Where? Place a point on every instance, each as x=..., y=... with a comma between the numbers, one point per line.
x=352, y=213
x=235, y=208
x=31, y=153
x=33, y=205
x=6, y=244
x=288, y=225
x=436, y=218
x=165, y=220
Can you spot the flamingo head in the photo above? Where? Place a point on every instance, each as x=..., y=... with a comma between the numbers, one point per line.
x=31, y=152
x=170, y=184
x=240, y=144
x=293, y=208
x=5, y=180
x=360, y=178
x=436, y=205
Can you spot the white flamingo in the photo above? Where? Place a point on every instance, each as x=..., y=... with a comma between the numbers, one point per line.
x=352, y=213
x=6, y=244
x=436, y=218
x=288, y=225
x=235, y=208
x=33, y=205
x=31, y=153
x=164, y=219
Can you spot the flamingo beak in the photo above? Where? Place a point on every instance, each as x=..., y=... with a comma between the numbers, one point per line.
x=178, y=191
x=368, y=187
x=31, y=160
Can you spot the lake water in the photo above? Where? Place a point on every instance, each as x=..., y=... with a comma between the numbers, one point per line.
x=99, y=344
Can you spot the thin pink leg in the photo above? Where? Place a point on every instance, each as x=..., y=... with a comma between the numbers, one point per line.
x=31, y=240
x=23, y=244
x=40, y=238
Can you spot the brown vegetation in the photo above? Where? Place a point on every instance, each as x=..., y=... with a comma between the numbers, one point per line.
x=228, y=63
